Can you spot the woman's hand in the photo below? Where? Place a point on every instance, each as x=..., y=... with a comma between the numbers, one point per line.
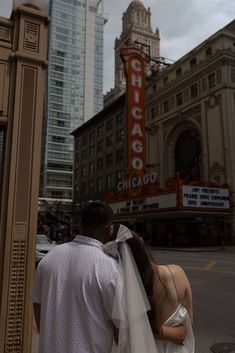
x=174, y=334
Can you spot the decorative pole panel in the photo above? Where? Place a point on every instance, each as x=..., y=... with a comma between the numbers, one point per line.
x=23, y=60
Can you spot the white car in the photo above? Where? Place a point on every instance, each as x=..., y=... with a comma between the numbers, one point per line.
x=43, y=246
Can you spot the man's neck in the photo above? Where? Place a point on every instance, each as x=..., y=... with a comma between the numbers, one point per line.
x=101, y=238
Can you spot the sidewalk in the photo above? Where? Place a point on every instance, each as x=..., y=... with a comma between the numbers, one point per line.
x=227, y=248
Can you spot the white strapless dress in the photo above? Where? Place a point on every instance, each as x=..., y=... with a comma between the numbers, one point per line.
x=179, y=316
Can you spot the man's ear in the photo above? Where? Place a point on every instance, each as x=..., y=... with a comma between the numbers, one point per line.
x=110, y=230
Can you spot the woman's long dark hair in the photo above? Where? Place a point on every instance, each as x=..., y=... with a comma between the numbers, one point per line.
x=144, y=263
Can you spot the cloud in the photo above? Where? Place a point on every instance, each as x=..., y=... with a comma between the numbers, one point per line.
x=183, y=24
x=6, y=8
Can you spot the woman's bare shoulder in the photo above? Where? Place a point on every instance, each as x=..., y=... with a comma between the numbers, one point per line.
x=166, y=271
x=177, y=271
x=163, y=272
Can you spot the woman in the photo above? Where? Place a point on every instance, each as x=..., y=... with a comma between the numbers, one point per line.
x=169, y=294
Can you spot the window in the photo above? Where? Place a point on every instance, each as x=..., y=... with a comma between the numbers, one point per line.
x=92, y=168
x=92, y=136
x=58, y=166
x=211, y=80
x=119, y=119
x=59, y=83
x=100, y=146
x=120, y=135
x=172, y=102
x=100, y=183
x=58, y=68
x=218, y=76
x=119, y=175
x=57, y=194
x=179, y=99
x=204, y=84
x=100, y=163
x=166, y=106
x=152, y=113
x=100, y=131
x=109, y=160
x=60, y=123
x=84, y=188
x=110, y=181
x=59, y=139
x=208, y=51
x=119, y=155
x=193, y=63
x=92, y=151
x=91, y=186
x=84, y=140
x=194, y=90
x=178, y=72
x=109, y=125
x=109, y=140
x=84, y=154
x=84, y=171
x=165, y=81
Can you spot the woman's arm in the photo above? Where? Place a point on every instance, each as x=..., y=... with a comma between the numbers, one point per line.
x=183, y=288
x=187, y=300
x=174, y=334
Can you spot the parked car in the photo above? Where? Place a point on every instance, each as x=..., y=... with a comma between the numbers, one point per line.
x=43, y=246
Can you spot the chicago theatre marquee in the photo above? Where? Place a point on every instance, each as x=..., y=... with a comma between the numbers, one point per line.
x=162, y=155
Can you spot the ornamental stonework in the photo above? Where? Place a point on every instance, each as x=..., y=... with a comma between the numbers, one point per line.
x=212, y=101
x=5, y=34
x=31, y=36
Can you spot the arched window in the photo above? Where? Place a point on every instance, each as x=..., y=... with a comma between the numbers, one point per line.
x=187, y=155
x=138, y=17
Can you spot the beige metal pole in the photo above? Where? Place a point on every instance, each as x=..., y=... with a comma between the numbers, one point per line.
x=23, y=59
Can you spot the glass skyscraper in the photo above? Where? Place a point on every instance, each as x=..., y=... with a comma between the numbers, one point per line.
x=74, y=90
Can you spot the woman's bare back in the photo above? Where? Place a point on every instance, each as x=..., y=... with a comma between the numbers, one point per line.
x=173, y=288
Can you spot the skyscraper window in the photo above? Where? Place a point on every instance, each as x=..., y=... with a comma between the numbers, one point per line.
x=74, y=90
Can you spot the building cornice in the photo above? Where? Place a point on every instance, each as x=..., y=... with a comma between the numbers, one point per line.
x=190, y=76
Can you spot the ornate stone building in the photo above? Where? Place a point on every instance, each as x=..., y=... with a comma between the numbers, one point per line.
x=191, y=119
x=190, y=127
x=136, y=30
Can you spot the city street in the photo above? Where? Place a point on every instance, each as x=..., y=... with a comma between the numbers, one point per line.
x=212, y=278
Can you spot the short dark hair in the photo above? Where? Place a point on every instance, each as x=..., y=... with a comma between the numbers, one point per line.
x=96, y=215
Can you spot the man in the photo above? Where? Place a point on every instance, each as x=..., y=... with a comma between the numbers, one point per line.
x=74, y=289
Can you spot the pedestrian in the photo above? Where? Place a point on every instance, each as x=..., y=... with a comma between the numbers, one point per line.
x=168, y=295
x=76, y=289
x=222, y=239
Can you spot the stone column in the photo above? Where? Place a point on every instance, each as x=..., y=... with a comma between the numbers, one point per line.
x=23, y=44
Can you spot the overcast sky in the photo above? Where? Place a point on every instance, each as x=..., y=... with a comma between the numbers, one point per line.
x=183, y=24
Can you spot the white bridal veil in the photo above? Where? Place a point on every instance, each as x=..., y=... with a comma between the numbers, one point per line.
x=131, y=303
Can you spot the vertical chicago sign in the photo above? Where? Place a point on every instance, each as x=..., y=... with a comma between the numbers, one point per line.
x=135, y=61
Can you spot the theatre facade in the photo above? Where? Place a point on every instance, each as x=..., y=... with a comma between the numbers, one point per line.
x=163, y=154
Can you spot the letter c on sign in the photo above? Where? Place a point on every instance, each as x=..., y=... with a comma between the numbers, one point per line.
x=137, y=112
